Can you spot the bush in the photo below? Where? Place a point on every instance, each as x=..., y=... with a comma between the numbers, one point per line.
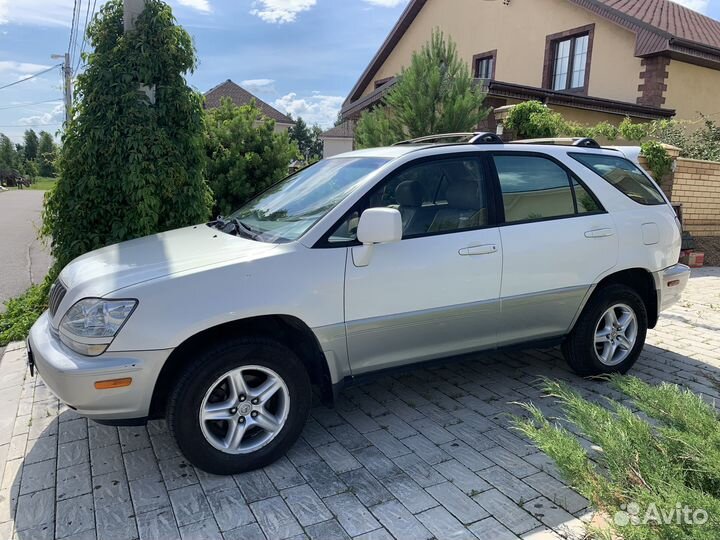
x=132, y=162
x=533, y=120
x=22, y=312
x=244, y=154
x=659, y=160
x=669, y=458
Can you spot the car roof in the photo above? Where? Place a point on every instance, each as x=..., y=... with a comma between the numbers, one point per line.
x=391, y=152
x=395, y=152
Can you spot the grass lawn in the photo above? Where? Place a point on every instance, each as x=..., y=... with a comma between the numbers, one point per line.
x=43, y=183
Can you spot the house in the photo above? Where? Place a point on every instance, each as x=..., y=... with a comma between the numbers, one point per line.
x=239, y=96
x=339, y=139
x=590, y=60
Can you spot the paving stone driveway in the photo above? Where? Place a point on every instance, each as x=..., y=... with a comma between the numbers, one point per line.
x=420, y=455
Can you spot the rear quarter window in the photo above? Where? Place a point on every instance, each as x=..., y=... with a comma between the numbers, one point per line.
x=623, y=175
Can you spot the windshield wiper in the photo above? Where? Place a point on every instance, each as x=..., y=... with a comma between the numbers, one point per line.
x=233, y=226
x=240, y=226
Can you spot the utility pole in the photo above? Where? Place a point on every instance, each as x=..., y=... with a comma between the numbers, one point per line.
x=68, y=90
x=131, y=10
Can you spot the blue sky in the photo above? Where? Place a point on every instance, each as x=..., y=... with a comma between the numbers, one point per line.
x=302, y=56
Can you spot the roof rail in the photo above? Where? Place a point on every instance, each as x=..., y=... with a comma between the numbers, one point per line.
x=486, y=138
x=582, y=142
x=587, y=142
x=477, y=137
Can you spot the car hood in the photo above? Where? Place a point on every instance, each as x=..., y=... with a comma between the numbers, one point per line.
x=121, y=265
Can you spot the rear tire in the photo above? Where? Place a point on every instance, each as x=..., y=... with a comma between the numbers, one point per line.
x=240, y=405
x=610, y=333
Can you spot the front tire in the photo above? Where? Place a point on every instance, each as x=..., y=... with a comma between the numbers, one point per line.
x=240, y=405
x=609, y=334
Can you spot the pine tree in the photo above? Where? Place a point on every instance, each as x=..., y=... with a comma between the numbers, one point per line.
x=436, y=94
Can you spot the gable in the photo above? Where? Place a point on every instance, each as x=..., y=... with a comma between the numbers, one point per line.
x=658, y=26
x=239, y=96
x=477, y=27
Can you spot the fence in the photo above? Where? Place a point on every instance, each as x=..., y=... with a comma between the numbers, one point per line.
x=696, y=185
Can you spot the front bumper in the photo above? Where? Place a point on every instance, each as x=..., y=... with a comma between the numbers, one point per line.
x=72, y=376
x=670, y=283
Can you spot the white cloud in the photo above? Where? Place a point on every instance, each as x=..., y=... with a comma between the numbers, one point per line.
x=697, y=5
x=314, y=109
x=200, y=5
x=280, y=11
x=20, y=68
x=386, y=3
x=52, y=117
x=3, y=11
x=259, y=86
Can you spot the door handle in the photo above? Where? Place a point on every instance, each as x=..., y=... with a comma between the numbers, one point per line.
x=484, y=249
x=599, y=233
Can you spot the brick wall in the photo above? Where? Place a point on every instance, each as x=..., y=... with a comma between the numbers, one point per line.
x=696, y=185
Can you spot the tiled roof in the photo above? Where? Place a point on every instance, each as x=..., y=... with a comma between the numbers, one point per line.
x=672, y=18
x=240, y=97
x=346, y=130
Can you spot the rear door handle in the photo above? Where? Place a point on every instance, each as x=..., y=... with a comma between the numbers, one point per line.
x=484, y=249
x=599, y=233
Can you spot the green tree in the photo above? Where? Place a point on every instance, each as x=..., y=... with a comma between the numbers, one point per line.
x=307, y=139
x=46, y=154
x=436, y=94
x=30, y=145
x=132, y=161
x=244, y=154
x=8, y=154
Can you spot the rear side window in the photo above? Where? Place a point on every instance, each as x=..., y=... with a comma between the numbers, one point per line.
x=536, y=188
x=623, y=175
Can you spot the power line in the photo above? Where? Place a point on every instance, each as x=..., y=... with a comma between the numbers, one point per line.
x=23, y=105
x=72, y=43
x=31, y=76
x=30, y=125
x=84, y=39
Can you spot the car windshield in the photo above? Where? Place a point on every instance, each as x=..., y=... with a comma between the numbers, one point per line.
x=291, y=207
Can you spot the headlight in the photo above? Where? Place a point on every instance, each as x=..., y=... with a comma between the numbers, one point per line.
x=90, y=325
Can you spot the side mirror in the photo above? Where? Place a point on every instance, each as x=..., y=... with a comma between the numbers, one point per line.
x=377, y=226
x=380, y=226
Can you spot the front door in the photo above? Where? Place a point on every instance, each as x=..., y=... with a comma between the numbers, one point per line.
x=436, y=292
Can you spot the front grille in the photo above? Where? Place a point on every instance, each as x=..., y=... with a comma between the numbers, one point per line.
x=57, y=293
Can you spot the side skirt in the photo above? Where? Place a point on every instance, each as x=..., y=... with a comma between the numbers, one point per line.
x=364, y=378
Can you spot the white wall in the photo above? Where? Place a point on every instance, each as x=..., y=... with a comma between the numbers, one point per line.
x=333, y=146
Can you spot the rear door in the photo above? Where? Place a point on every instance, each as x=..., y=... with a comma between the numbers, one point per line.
x=557, y=239
x=436, y=292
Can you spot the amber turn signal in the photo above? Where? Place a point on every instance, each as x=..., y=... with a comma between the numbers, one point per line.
x=113, y=383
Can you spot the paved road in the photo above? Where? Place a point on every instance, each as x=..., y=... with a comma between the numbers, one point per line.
x=23, y=258
x=426, y=454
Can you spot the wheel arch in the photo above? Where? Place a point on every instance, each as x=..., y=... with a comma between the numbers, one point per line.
x=287, y=329
x=638, y=279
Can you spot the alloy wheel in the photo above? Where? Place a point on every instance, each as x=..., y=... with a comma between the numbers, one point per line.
x=615, y=334
x=244, y=409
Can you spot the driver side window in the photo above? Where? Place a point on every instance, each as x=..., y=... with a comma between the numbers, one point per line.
x=440, y=196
